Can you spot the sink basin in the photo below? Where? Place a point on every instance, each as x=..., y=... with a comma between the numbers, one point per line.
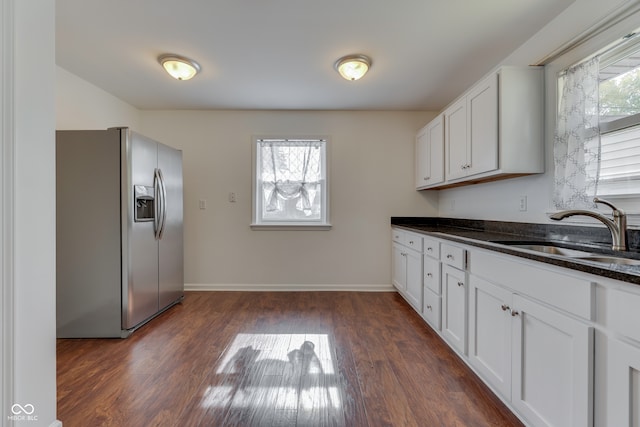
x=553, y=250
x=575, y=254
x=610, y=260
x=547, y=248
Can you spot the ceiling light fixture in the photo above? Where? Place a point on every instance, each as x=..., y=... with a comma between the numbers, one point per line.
x=353, y=67
x=179, y=67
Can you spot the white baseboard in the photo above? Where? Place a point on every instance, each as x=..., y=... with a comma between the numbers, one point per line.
x=259, y=287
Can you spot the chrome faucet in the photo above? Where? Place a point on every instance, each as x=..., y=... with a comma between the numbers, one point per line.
x=617, y=226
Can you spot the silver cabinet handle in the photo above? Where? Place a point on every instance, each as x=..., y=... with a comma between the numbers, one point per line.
x=429, y=275
x=429, y=308
x=505, y=307
x=430, y=249
x=514, y=313
x=449, y=256
x=426, y=178
x=411, y=242
x=460, y=284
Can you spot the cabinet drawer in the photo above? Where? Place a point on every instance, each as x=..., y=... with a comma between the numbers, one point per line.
x=397, y=235
x=431, y=311
x=407, y=238
x=453, y=256
x=413, y=241
x=431, y=273
x=431, y=247
x=624, y=309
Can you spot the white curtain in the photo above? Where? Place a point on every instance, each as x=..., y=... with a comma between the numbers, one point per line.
x=577, y=138
x=291, y=179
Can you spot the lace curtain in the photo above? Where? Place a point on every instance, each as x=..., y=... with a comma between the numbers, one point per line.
x=577, y=138
x=291, y=179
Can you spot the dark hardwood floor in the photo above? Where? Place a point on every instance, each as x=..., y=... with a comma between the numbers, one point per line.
x=340, y=359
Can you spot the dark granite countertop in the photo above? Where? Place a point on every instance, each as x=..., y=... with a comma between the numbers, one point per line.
x=489, y=234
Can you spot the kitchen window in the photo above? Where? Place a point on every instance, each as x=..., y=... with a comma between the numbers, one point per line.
x=597, y=143
x=290, y=185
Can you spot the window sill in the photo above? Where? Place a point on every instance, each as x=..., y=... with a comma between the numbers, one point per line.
x=291, y=226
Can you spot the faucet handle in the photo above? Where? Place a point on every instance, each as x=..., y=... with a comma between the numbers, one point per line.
x=616, y=211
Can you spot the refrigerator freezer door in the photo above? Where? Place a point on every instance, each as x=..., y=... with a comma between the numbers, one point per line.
x=140, y=248
x=171, y=262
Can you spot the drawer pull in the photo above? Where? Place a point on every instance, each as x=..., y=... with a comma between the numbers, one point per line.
x=429, y=307
x=430, y=249
x=460, y=284
x=411, y=242
x=515, y=313
x=429, y=275
x=449, y=256
x=505, y=307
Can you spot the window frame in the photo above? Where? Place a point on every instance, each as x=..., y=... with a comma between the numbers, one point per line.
x=575, y=54
x=259, y=223
x=625, y=47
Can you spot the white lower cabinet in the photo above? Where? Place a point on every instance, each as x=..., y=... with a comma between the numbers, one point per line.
x=552, y=366
x=407, y=266
x=528, y=330
x=490, y=333
x=618, y=356
x=536, y=357
x=431, y=308
x=454, y=307
x=623, y=384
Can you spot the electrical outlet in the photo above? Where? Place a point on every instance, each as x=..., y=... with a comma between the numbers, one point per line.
x=523, y=204
x=232, y=197
x=202, y=204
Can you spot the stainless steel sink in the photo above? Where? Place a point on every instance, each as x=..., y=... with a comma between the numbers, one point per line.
x=554, y=250
x=610, y=260
x=574, y=254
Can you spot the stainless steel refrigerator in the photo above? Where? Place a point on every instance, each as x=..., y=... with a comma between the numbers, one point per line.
x=119, y=247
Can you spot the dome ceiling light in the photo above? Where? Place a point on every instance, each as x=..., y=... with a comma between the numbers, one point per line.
x=179, y=67
x=353, y=67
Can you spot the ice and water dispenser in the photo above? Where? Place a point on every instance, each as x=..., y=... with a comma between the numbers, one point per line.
x=144, y=206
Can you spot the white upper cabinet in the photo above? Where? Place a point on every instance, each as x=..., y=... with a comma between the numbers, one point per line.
x=495, y=130
x=430, y=154
x=472, y=131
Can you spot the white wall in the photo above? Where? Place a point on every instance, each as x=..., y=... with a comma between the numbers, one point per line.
x=82, y=105
x=371, y=179
x=32, y=209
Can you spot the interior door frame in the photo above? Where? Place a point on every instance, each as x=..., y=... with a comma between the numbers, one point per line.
x=7, y=190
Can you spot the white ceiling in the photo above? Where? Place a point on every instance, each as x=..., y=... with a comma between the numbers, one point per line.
x=279, y=54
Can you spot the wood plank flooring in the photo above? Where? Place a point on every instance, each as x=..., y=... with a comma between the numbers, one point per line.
x=341, y=359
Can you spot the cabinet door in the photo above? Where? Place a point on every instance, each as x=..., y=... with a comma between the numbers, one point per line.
x=623, y=385
x=430, y=154
x=482, y=122
x=454, y=307
x=552, y=366
x=431, y=274
x=455, y=136
x=399, y=267
x=490, y=333
x=423, y=158
x=414, y=279
x=431, y=311
x=436, y=150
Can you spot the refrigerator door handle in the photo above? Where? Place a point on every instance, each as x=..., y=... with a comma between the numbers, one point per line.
x=163, y=202
x=157, y=204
